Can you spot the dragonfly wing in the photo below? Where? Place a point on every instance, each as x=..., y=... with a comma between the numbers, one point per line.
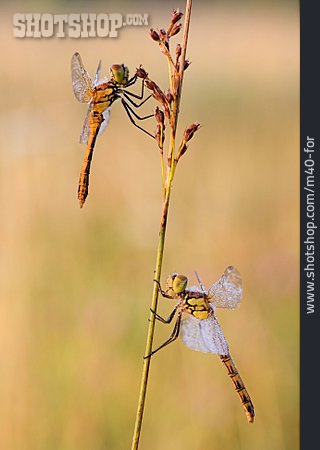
x=84, y=136
x=81, y=81
x=204, y=335
x=97, y=75
x=85, y=133
x=106, y=117
x=227, y=291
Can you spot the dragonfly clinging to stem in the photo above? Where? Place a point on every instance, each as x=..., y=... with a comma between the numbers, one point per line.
x=100, y=95
x=201, y=330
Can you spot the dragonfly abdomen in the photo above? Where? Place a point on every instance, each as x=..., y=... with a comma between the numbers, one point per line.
x=95, y=121
x=239, y=386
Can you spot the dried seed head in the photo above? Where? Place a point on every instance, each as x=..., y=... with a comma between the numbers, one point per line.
x=159, y=115
x=176, y=82
x=150, y=85
x=190, y=130
x=176, y=16
x=154, y=35
x=160, y=136
x=169, y=96
x=141, y=73
x=186, y=64
x=175, y=30
x=159, y=95
x=166, y=111
x=183, y=149
x=158, y=91
x=178, y=51
x=163, y=34
x=164, y=47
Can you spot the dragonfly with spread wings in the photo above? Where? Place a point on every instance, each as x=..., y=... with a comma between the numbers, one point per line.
x=100, y=95
x=201, y=330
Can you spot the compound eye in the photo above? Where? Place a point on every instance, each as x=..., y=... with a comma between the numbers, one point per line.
x=179, y=283
x=119, y=73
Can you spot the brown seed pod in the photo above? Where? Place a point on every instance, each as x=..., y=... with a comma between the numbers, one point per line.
x=186, y=64
x=190, y=130
x=169, y=96
x=176, y=16
x=154, y=35
x=141, y=73
x=175, y=30
x=163, y=34
x=159, y=115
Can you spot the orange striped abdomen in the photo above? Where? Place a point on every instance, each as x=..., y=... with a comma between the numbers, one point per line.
x=239, y=386
x=95, y=121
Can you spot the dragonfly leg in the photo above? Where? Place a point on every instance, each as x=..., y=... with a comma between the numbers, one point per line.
x=129, y=110
x=139, y=97
x=161, y=319
x=132, y=80
x=163, y=293
x=134, y=113
x=173, y=337
x=137, y=105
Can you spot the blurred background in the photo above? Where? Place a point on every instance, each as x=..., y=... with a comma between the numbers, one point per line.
x=76, y=284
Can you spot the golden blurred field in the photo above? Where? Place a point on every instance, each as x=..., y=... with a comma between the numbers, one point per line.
x=76, y=284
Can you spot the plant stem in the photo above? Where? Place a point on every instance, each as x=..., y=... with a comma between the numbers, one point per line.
x=162, y=234
x=154, y=304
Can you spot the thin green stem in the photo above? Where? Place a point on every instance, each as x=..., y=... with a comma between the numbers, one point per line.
x=162, y=235
x=162, y=170
x=170, y=73
x=161, y=155
x=154, y=304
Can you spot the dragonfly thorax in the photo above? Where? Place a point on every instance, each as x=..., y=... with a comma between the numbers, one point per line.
x=197, y=306
x=119, y=74
x=103, y=96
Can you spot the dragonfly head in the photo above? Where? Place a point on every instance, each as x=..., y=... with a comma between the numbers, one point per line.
x=119, y=73
x=177, y=283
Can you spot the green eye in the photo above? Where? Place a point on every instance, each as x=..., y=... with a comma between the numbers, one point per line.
x=120, y=73
x=179, y=283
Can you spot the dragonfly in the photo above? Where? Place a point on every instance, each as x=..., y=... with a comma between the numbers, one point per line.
x=201, y=331
x=100, y=94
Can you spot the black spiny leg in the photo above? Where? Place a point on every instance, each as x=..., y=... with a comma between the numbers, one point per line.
x=132, y=80
x=173, y=337
x=140, y=97
x=161, y=319
x=137, y=105
x=130, y=111
x=162, y=292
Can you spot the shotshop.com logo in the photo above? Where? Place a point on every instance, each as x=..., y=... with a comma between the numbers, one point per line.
x=84, y=25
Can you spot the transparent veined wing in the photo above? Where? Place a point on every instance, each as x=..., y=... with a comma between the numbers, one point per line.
x=81, y=81
x=106, y=117
x=84, y=136
x=85, y=133
x=227, y=291
x=97, y=75
x=204, y=335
